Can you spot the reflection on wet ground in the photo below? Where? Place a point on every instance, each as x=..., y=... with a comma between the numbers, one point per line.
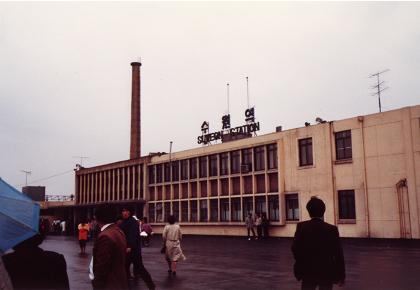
x=236, y=263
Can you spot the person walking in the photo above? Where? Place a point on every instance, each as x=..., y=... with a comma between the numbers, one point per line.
x=30, y=267
x=249, y=223
x=172, y=237
x=130, y=226
x=319, y=260
x=83, y=229
x=109, y=253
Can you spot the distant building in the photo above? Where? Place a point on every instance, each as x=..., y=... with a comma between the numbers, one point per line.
x=36, y=193
x=366, y=169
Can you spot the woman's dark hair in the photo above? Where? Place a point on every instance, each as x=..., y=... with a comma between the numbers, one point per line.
x=315, y=207
x=171, y=219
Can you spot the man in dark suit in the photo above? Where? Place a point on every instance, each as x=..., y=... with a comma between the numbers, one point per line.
x=319, y=260
x=30, y=267
x=109, y=253
x=131, y=228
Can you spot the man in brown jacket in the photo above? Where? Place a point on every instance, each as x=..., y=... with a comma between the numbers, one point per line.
x=109, y=253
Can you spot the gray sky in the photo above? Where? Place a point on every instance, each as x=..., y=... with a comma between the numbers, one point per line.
x=65, y=75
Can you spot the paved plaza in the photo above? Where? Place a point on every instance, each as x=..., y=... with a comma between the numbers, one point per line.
x=236, y=263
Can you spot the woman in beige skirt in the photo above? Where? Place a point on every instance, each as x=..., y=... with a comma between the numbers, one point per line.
x=172, y=241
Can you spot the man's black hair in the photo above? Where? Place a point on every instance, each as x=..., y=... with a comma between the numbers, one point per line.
x=171, y=219
x=105, y=215
x=315, y=207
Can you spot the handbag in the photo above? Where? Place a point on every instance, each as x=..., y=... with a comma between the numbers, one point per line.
x=163, y=250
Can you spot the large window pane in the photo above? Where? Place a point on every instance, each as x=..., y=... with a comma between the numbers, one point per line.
x=224, y=163
x=292, y=207
x=193, y=168
x=273, y=208
x=343, y=145
x=224, y=209
x=346, y=204
x=235, y=162
x=305, y=152
x=214, y=210
x=272, y=156
x=184, y=169
x=203, y=166
x=203, y=210
x=259, y=158
x=213, y=165
x=184, y=211
x=193, y=209
x=236, y=209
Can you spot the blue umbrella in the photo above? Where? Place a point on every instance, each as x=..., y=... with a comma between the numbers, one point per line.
x=19, y=217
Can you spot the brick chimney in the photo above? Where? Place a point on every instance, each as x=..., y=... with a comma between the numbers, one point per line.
x=135, y=134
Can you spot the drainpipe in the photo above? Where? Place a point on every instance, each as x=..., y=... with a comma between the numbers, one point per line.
x=331, y=133
x=365, y=185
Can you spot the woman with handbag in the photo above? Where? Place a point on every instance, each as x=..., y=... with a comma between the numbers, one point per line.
x=172, y=244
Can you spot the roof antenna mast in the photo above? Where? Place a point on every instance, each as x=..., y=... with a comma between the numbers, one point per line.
x=247, y=93
x=379, y=87
x=227, y=85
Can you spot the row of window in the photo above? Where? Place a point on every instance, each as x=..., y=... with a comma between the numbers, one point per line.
x=248, y=184
x=238, y=161
x=343, y=149
x=346, y=206
x=236, y=209
x=215, y=210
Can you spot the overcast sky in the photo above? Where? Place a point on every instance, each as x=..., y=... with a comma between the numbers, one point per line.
x=65, y=74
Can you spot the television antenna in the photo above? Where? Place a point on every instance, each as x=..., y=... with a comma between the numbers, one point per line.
x=81, y=159
x=379, y=86
x=27, y=172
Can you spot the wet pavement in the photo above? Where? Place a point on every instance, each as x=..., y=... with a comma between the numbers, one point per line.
x=236, y=263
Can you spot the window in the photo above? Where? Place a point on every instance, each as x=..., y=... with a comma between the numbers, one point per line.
x=260, y=205
x=236, y=185
x=235, y=162
x=343, y=145
x=292, y=207
x=193, y=168
x=213, y=188
x=236, y=209
x=184, y=169
x=193, y=208
x=167, y=210
x=175, y=170
x=260, y=180
x=203, y=166
x=305, y=152
x=273, y=182
x=151, y=212
x=176, y=191
x=203, y=188
x=175, y=210
x=151, y=174
x=224, y=163
x=346, y=204
x=224, y=210
x=272, y=156
x=193, y=189
x=259, y=158
x=167, y=192
x=184, y=190
x=247, y=184
x=214, y=210
x=273, y=208
x=167, y=169
x=184, y=211
x=224, y=186
x=213, y=165
x=159, y=213
x=159, y=173
x=248, y=207
x=247, y=159
x=203, y=210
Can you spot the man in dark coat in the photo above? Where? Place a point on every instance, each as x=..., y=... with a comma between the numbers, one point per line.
x=317, y=250
x=109, y=253
x=131, y=228
x=30, y=267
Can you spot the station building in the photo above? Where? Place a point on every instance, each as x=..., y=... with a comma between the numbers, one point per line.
x=366, y=169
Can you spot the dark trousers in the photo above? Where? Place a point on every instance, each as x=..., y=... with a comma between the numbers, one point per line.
x=309, y=285
x=249, y=232
x=135, y=258
x=259, y=231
